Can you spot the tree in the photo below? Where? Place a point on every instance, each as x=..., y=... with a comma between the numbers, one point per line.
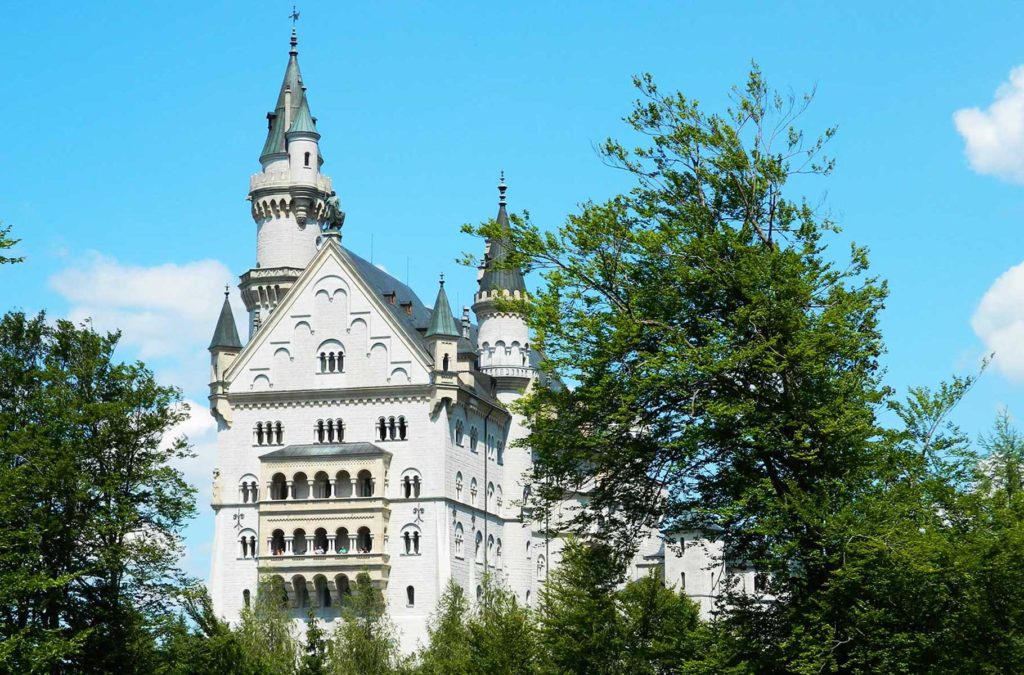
x=200, y=643
x=314, y=661
x=724, y=371
x=579, y=631
x=448, y=648
x=660, y=629
x=93, y=509
x=265, y=630
x=364, y=641
x=502, y=634
x=7, y=242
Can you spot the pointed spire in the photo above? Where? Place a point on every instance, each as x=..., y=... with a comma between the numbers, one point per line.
x=226, y=334
x=442, y=322
x=496, y=277
x=303, y=121
x=290, y=100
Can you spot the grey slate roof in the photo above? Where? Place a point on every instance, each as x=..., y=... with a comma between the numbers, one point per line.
x=441, y=320
x=496, y=277
x=303, y=121
x=326, y=450
x=226, y=334
x=292, y=82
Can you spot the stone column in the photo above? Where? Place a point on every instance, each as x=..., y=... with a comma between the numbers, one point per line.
x=330, y=544
x=331, y=482
x=309, y=488
x=355, y=492
x=289, y=490
x=352, y=543
x=288, y=544
x=309, y=544
x=373, y=486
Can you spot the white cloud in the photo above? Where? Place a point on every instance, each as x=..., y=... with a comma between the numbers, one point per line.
x=994, y=137
x=999, y=322
x=166, y=313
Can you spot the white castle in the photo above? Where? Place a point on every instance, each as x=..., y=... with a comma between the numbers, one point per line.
x=361, y=431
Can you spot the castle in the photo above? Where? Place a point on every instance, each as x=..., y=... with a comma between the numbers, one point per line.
x=362, y=431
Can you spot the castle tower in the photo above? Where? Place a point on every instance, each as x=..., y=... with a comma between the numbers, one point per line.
x=224, y=348
x=503, y=339
x=287, y=197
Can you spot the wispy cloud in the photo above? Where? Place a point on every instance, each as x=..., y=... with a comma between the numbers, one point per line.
x=994, y=138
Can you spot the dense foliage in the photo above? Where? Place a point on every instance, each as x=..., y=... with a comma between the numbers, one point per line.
x=92, y=509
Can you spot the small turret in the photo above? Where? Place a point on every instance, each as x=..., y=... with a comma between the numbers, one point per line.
x=224, y=349
x=443, y=333
x=503, y=337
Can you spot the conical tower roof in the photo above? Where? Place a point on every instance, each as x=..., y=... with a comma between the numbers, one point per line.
x=497, y=277
x=292, y=83
x=442, y=322
x=303, y=121
x=226, y=334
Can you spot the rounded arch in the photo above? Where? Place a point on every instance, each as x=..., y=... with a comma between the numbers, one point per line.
x=323, y=593
x=277, y=542
x=300, y=485
x=399, y=374
x=364, y=540
x=478, y=547
x=282, y=352
x=299, y=542
x=300, y=591
x=459, y=536
x=276, y=587
x=279, y=487
x=321, y=485
x=410, y=483
x=260, y=383
x=248, y=489
x=247, y=543
x=410, y=539
x=458, y=485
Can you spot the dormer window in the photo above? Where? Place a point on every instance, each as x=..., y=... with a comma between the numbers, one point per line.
x=407, y=306
x=390, y=297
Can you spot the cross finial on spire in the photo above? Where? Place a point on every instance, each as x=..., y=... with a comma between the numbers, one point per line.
x=501, y=190
x=442, y=279
x=226, y=291
x=294, y=16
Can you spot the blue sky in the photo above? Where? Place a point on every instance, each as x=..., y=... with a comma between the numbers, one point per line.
x=133, y=128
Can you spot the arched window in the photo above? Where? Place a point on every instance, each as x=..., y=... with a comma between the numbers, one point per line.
x=301, y=592
x=364, y=484
x=497, y=554
x=299, y=542
x=459, y=433
x=410, y=596
x=479, y=593
x=444, y=363
x=410, y=483
x=416, y=542
x=245, y=597
x=279, y=433
x=415, y=486
x=258, y=433
x=323, y=362
x=472, y=439
x=321, y=485
x=247, y=543
x=528, y=598
x=403, y=428
x=527, y=550
x=247, y=489
x=458, y=486
x=307, y=159
x=382, y=428
x=300, y=486
x=490, y=447
x=277, y=543
x=472, y=491
x=364, y=542
x=320, y=541
x=278, y=487
x=501, y=452
x=407, y=538
x=330, y=362
x=342, y=585
x=407, y=487
x=342, y=541
x=490, y=495
x=343, y=485
x=391, y=428
x=682, y=581
x=478, y=551
x=541, y=568
x=497, y=499
x=458, y=540
x=320, y=431
x=323, y=593
x=490, y=550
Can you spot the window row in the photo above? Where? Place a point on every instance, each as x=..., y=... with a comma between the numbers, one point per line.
x=495, y=447
x=323, y=595
x=392, y=428
x=494, y=494
x=493, y=551
x=332, y=362
x=320, y=542
x=322, y=486
x=329, y=431
x=268, y=433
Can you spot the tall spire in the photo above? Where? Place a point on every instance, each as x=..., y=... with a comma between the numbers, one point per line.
x=225, y=336
x=442, y=322
x=290, y=101
x=497, y=277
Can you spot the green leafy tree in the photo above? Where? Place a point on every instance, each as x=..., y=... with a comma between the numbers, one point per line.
x=314, y=661
x=578, y=621
x=502, y=634
x=365, y=641
x=660, y=629
x=448, y=648
x=200, y=643
x=266, y=630
x=93, y=507
x=6, y=242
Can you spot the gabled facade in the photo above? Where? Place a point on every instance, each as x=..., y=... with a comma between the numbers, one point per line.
x=359, y=430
